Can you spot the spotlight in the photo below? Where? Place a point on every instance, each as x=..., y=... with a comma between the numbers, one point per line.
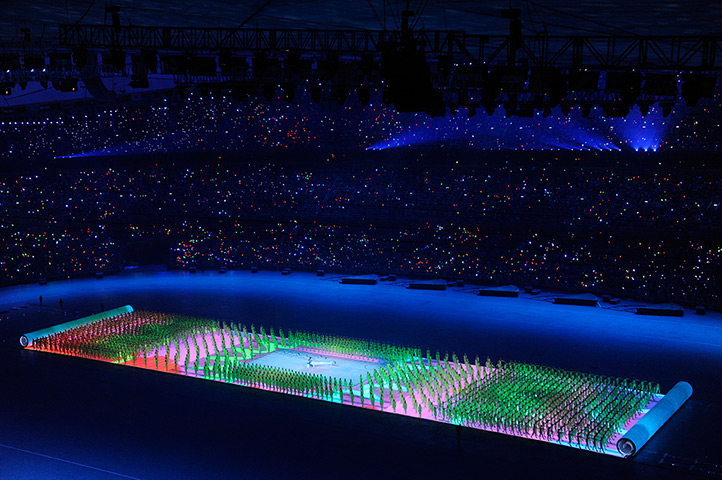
x=405, y=69
x=149, y=58
x=289, y=92
x=239, y=92
x=666, y=108
x=316, y=93
x=583, y=80
x=696, y=86
x=551, y=83
x=268, y=92
x=526, y=111
x=627, y=84
x=117, y=59
x=364, y=95
x=341, y=95
x=615, y=111
x=660, y=84
x=80, y=56
x=368, y=65
x=138, y=81
x=66, y=85
x=489, y=108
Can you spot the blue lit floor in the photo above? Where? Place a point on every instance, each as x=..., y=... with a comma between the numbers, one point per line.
x=142, y=424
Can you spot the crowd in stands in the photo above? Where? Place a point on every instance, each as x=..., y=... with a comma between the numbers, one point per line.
x=649, y=231
x=221, y=122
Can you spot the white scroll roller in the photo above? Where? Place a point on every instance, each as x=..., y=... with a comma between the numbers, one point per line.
x=27, y=339
x=643, y=430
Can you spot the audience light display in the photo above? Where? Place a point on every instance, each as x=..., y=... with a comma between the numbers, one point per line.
x=205, y=121
x=558, y=223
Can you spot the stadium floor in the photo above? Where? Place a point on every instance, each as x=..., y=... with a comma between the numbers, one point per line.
x=64, y=417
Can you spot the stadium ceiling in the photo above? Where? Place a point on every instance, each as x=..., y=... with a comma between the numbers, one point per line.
x=561, y=51
x=415, y=71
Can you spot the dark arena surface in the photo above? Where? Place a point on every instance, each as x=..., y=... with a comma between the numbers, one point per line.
x=64, y=417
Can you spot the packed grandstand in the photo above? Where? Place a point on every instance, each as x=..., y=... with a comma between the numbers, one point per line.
x=642, y=228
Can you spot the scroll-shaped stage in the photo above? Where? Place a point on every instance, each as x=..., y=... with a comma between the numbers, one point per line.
x=643, y=430
x=27, y=339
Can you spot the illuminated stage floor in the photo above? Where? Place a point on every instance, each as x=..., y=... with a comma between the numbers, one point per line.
x=101, y=415
x=337, y=367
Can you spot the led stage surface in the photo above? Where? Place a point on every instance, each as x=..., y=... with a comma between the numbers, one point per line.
x=613, y=416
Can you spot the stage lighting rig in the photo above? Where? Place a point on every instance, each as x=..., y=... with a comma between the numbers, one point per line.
x=369, y=66
x=139, y=81
x=34, y=62
x=406, y=71
x=615, y=110
x=696, y=86
x=550, y=82
x=490, y=93
x=296, y=69
x=117, y=60
x=239, y=91
x=149, y=59
x=289, y=92
x=265, y=68
x=269, y=91
x=328, y=67
x=364, y=95
x=114, y=11
x=66, y=85
x=666, y=108
x=341, y=94
x=583, y=80
x=660, y=84
x=316, y=93
x=515, y=34
x=628, y=85
x=80, y=57
x=489, y=107
x=444, y=66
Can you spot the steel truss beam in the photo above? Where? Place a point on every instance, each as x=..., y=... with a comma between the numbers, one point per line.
x=592, y=52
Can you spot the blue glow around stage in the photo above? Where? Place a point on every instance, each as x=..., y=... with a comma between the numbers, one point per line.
x=643, y=134
x=554, y=132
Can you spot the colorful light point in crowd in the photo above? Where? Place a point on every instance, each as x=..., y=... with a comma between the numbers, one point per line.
x=613, y=416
